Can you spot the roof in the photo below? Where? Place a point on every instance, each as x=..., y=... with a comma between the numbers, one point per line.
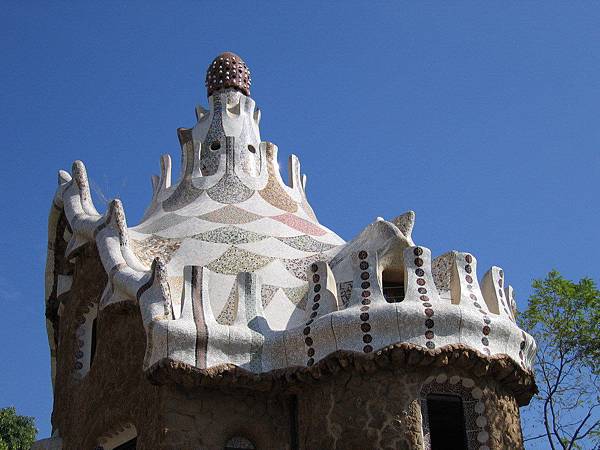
x=231, y=268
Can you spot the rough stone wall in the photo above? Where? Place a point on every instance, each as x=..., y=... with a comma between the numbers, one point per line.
x=353, y=410
x=206, y=418
x=115, y=391
x=503, y=418
x=382, y=410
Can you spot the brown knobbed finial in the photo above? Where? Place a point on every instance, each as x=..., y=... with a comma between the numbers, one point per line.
x=228, y=70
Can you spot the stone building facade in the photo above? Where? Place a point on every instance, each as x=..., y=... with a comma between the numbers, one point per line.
x=230, y=318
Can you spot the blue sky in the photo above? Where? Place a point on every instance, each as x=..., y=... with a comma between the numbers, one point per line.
x=481, y=117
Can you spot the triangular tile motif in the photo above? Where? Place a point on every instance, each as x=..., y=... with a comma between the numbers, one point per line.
x=195, y=253
x=275, y=228
x=176, y=289
x=273, y=192
x=230, y=235
x=279, y=311
x=306, y=243
x=274, y=248
x=203, y=205
x=258, y=205
x=267, y=292
x=230, y=215
x=236, y=260
x=184, y=194
x=308, y=209
x=297, y=267
x=165, y=222
x=155, y=246
x=276, y=273
x=300, y=224
x=187, y=228
x=230, y=189
x=297, y=294
x=302, y=303
x=229, y=311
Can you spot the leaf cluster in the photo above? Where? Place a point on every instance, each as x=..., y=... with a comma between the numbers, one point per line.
x=564, y=318
x=566, y=315
x=16, y=432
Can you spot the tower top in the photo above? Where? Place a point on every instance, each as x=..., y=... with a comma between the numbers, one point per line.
x=228, y=70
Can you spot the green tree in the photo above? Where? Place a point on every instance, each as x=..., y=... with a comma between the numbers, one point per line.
x=16, y=432
x=564, y=318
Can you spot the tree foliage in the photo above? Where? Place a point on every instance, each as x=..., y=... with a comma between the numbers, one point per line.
x=16, y=432
x=564, y=318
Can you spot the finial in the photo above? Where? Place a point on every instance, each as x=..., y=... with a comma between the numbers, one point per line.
x=228, y=70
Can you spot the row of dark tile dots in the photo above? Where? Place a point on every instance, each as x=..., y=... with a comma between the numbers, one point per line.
x=316, y=298
x=422, y=289
x=80, y=333
x=501, y=292
x=486, y=320
x=365, y=326
x=521, y=349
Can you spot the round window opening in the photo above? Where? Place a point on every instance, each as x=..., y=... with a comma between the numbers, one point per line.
x=216, y=145
x=251, y=149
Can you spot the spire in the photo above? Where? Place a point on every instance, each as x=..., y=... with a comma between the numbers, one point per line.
x=228, y=70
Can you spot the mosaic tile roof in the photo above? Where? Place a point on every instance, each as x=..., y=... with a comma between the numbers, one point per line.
x=232, y=257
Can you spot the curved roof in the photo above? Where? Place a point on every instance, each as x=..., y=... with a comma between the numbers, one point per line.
x=231, y=268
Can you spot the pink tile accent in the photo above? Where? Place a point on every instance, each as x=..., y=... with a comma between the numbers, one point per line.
x=300, y=224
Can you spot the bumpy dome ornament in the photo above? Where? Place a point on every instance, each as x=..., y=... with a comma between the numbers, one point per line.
x=228, y=70
x=235, y=281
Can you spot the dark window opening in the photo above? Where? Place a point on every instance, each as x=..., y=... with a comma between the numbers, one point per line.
x=129, y=445
x=393, y=286
x=93, y=342
x=251, y=149
x=294, y=422
x=446, y=422
x=216, y=145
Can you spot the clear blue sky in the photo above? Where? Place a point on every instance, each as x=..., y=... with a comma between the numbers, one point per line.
x=481, y=117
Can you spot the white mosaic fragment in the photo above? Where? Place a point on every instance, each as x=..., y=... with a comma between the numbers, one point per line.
x=197, y=253
x=273, y=248
x=188, y=228
x=276, y=273
x=275, y=227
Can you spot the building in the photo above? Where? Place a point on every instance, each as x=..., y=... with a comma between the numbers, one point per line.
x=230, y=318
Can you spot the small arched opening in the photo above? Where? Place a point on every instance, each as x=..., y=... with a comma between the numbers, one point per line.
x=392, y=285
